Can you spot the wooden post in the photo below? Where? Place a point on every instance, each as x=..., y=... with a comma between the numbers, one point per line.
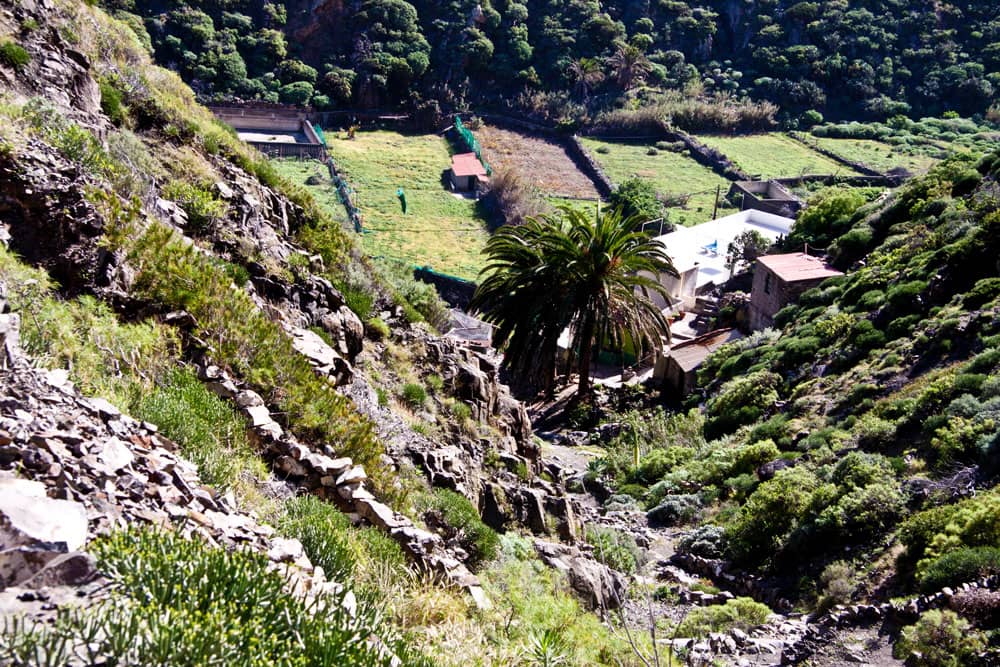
x=715, y=209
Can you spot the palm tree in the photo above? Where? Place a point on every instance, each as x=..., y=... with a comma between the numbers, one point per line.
x=585, y=73
x=630, y=66
x=590, y=274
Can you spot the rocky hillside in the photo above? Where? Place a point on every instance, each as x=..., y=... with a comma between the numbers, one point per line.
x=207, y=364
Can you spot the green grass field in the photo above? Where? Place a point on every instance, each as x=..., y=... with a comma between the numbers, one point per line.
x=671, y=173
x=439, y=230
x=773, y=155
x=879, y=155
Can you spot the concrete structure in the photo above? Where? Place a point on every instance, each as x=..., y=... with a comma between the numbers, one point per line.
x=678, y=369
x=467, y=172
x=767, y=196
x=779, y=280
x=699, y=253
x=274, y=130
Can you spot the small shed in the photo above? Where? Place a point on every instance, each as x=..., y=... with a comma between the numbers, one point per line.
x=467, y=172
x=779, y=280
x=680, y=367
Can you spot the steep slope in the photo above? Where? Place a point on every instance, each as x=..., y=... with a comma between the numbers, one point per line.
x=849, y=456
x=156, y=261
x=876, y=58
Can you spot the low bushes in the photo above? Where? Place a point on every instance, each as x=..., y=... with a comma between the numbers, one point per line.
x=740, y=613
x=462, y=521
x=939, y=639
x=14, y=55
x=960, y=566
x=614, y=548
x=181, y=602
x=207, y=428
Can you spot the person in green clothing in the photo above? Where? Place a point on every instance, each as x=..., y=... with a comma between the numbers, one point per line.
x=402, y=199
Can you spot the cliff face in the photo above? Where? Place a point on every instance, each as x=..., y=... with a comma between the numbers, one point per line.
x=128, y=195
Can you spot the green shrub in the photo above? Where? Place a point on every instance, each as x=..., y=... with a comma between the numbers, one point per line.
x=414, y=395
x=959, y=567
x=479, y=540
x=740, y=613
x=637, y=197
x=434, y=383
x=111, y=102
x=614, y=548
x=707, y=541
x=202, y=207
x=674, y=510
x=209, y=431
x=656, y=463
x=939, y=639
x=770, y=514
x=740, y=401
x=182, y=602
x=982, y=292
x=13, y=54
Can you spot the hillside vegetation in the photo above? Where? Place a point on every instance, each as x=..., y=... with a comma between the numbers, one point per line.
x=865, y=420
x=844, y=59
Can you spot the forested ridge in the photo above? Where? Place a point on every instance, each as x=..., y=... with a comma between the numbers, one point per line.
x=567, y=59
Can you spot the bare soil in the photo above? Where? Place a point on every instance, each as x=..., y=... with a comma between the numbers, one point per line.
x=542, y=161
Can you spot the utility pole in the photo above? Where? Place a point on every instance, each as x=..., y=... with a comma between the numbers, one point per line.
x=715, y=209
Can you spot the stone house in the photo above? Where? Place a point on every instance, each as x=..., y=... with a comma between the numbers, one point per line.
x=779, y=280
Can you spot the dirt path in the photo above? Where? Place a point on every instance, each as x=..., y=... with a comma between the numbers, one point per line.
x=543, y=162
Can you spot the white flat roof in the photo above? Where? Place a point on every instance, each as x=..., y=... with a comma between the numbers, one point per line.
x=690, y=247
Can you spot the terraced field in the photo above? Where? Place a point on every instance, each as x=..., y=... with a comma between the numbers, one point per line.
x=879, y=155
x=545, y=163
x=439, y=229
x=774, y=155
x=671, y=173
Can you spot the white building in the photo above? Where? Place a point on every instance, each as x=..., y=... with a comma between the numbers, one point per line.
x=699, y=252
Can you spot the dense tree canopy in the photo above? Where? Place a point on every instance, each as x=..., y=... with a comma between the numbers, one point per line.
x=876, y=58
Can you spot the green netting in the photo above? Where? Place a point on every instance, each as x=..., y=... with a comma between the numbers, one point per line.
x=319, y=133
x=471, y=142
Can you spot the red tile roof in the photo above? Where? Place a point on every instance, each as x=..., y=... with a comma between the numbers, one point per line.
x=798, y=266
x=467, y=164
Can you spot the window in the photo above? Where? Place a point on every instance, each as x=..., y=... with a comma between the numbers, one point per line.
x=767, y=283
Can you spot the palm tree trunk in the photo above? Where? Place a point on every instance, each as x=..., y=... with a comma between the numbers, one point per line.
x=586, y=348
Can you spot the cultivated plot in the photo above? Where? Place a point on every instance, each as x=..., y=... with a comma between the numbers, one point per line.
x=439, y=229
x=773, y=155
x=672, y=173
x=544, y=163
x=878, y=155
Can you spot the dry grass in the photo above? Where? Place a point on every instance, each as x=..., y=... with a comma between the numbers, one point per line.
x=544, y=163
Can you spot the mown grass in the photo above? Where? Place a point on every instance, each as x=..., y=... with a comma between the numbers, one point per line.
x=773, y=155
x=438, y=229
x=878, y=155
x=671, y=173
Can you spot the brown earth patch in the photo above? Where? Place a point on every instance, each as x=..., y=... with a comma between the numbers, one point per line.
x=543, y=162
